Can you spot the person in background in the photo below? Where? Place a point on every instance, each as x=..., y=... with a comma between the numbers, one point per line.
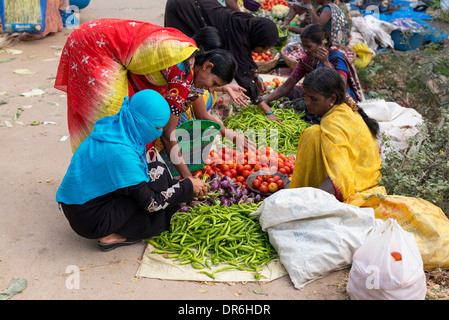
x=109, y=191
x=341, y=154
x=317, y=51
x=296, y=9
x=241, y=32
x=107, y=59
x=332, y=17
x=208, y=38
x=329, y=15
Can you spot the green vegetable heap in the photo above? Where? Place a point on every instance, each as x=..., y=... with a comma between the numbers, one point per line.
x=206, y=236
x=251, y=119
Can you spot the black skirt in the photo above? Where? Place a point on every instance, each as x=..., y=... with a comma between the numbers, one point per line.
x=135, y=212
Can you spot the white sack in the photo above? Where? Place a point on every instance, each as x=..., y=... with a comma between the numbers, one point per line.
x=398, y=123
x=312, y=232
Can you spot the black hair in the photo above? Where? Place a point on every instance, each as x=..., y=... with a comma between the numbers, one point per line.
x=224, y=63
x=317, y=34
x=327, y=82
x=208, y=38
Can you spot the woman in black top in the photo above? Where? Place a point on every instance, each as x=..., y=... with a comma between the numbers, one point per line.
x=242, y=34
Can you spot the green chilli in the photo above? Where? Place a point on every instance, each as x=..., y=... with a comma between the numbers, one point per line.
x=215, y=235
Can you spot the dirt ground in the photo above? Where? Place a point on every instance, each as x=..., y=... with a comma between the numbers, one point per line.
x=36, y=241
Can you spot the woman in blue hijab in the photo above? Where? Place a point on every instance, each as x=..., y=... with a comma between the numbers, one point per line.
x=110, y=192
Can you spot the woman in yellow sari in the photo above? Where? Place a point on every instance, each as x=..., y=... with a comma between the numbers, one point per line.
x=341, y=156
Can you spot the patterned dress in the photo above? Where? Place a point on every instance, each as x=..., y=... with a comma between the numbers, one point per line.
x=105, y=60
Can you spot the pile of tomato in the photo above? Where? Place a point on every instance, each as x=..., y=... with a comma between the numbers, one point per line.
x=264, y=56
x=239, y=165
x=268, y=183
x=267, y=5
x=274, y=83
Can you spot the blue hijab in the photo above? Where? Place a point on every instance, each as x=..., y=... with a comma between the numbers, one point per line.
x=113, y=155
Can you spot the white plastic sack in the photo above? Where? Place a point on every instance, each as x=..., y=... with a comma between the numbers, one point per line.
x=312, y=232
x=388, y=266
x=398, y=123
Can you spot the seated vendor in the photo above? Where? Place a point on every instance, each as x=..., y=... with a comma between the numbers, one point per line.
x=340, y=155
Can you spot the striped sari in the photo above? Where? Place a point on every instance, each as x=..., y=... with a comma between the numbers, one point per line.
x=101, y=57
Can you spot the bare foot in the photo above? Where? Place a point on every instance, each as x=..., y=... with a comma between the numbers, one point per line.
x=112, y=238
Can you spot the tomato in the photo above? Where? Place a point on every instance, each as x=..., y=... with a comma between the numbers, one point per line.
x=397, y=256
x=257, y=167
x=198, y=174
x=256, y=183
x=240, y=179
x=263, y=188
x=270, y=180
x=259, y=178
x=247, y=167
x=267, y=176
x=282, y=170
x=210, y=172
x=228, y=173
x=239, y=169
x=239, y=158
x=263, y=159
x=276, y=178
x=280, y=183
x=233, y=172
x=287, y=169
x=246, y=173
x=273, y=187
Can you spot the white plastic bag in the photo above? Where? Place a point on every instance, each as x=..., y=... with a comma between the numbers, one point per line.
x=312, y=232
x=387, y=266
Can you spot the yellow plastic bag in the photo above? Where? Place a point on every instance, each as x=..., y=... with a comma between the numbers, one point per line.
x=363, y=53
x=426, y=221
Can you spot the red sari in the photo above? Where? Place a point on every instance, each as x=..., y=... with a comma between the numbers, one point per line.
x=105, y=60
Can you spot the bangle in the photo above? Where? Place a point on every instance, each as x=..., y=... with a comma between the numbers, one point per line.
x=269, y=113
x=256, y=78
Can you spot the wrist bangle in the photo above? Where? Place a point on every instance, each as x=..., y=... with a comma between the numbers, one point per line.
x=257, y=78
x=269, y=113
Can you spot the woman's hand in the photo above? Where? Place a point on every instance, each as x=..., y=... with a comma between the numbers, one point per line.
x=261, y=86
x=322, y=54
x=200, y=188
x=236, y=93
x=273, y=117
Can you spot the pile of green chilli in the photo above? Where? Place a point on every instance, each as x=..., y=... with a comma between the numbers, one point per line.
x=254, y=125
x=207, y=236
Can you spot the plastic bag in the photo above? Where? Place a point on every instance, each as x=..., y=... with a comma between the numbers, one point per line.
x=312, y=232
x=387, y=266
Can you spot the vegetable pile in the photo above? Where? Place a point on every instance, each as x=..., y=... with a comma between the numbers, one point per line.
x=208, y=236
x=227, y=170
x=254, y=125
x=269, y=5
x=273, y=84
x=268, y=183
x=264, y=56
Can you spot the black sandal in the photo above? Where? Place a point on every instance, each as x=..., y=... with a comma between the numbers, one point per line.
x=111, y=246
x=420, y=8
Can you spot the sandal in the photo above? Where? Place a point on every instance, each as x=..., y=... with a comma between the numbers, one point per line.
x=111, y=246
x=420, y=8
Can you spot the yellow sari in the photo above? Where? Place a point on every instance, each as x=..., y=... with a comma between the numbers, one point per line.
x=343, y=149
